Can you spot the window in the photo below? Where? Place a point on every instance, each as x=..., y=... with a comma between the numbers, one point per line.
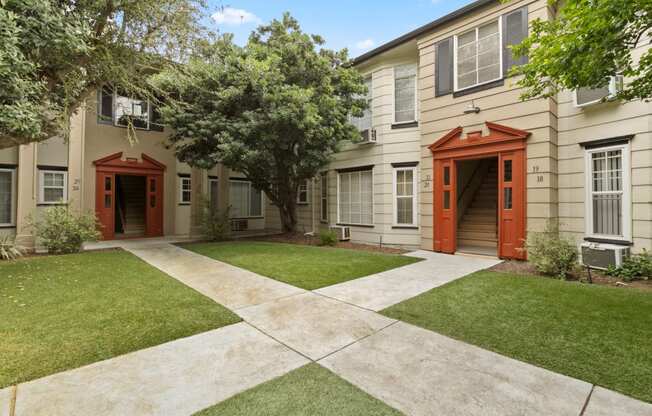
x=185, y=190
x=324, y=198
x=7, y=187
x=588, y=96
x=213, y=193
x=608, y=194
x=53, y=187
x=405, y=93
x=245, y=200
x=119, y=110
x=365, y=122
x=478, y=56
x=302, y=193
x=405, y=196
x=355, y=197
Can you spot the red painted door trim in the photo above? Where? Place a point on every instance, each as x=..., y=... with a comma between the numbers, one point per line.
x=151, y=169
x=508, y=144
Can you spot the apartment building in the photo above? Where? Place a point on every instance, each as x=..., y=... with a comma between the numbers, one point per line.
x=451, y=158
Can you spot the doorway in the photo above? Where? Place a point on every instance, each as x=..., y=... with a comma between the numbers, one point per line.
x=480, y=177
x=129, y=196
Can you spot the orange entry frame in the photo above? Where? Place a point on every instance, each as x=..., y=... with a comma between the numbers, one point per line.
x=106, y=170
x=508, y=145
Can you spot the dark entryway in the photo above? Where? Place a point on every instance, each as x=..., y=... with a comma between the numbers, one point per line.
x=130, y=213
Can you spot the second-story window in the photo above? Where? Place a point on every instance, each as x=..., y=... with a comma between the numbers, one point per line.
x=405, y=93
x=478, y=56
x=121, y=110
x=302, y=193
x=365, y=122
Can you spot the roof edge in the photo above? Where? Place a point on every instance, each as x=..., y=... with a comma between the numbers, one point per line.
x=421, y=30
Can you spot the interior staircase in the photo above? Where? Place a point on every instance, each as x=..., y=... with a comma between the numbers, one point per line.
x=133, y=192
x=477, y=231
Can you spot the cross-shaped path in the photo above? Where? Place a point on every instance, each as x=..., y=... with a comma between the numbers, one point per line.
x=417, y=371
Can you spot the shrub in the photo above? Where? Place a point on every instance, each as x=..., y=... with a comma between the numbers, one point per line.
x=8, y=248
x=637, y=266
x=215, y=224
x=63, y=231
x=327, y=238
x=550, y=253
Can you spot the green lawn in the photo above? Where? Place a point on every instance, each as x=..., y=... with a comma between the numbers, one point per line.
x=308, y=391
x=308, y=267
x=62, y=312
x=599, y=334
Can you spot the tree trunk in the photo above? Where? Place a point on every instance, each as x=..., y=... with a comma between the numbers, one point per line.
x=288, y=212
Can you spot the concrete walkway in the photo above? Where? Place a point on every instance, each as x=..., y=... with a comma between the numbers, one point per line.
x=414, y=370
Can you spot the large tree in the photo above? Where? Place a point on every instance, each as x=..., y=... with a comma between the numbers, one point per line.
x=589, y=41
x=275, y=110
x=54, y=52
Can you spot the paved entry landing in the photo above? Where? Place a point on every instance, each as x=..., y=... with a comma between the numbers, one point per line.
x=381, y=290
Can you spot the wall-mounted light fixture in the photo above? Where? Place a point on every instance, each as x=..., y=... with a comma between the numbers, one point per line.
x=472, y=108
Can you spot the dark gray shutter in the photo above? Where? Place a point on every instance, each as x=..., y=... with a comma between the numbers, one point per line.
x=105, y=104
x=155, y=120
x=515, y=27
x=444, y=67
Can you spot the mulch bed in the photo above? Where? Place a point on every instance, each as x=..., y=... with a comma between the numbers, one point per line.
x=598, y=277
x=298, y=238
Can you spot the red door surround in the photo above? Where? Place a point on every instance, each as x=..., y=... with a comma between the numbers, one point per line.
x=508, y=145
x=106, y=170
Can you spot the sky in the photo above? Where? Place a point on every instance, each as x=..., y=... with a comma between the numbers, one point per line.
x=355, y=24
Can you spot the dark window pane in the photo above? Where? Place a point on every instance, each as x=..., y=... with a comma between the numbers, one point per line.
x=152, y=185
x=447, y=199
x=152, y=201
x=507, y=198
x=106, y=105
x=507, y=171
x=107, y=201
x=107, y=183
x=447, y=175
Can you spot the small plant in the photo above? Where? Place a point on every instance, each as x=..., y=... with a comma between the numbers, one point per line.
x=215, y=224
x=63, y=231
x=550, y=253
x=327, y=238
x=634, y=267
x=8, y=248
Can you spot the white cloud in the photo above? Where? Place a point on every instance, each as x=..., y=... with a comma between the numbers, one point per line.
x=232, y=16
x=365, y=44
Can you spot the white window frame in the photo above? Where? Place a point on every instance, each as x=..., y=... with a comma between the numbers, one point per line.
x=262, y=202
x=182, y=180
x=305, y=192
x=373, y=201
x=323, y=197
x=12, y=219
x=500, y=57
x=626, y=192
x=416, y=95
x=615, y=86
x=41, y=186
x=395, y=197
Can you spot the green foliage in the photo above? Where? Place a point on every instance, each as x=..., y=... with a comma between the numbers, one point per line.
x=550, y=253
x=54, y=53
x=8, y=248
x=215, y=224
x=275, y=110
x=637, y=266
x=327, y=238
x=63, y=231
x=589, y=41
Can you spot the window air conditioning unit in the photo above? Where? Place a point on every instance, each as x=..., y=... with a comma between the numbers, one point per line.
x=601, y=256
x=368, y=136
x=239, y=225
x=343, y=232
x=585, y=97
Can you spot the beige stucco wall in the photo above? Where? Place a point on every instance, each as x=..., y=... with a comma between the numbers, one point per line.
x=501, y=105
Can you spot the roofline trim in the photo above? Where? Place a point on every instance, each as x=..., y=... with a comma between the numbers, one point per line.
x=421, y=30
